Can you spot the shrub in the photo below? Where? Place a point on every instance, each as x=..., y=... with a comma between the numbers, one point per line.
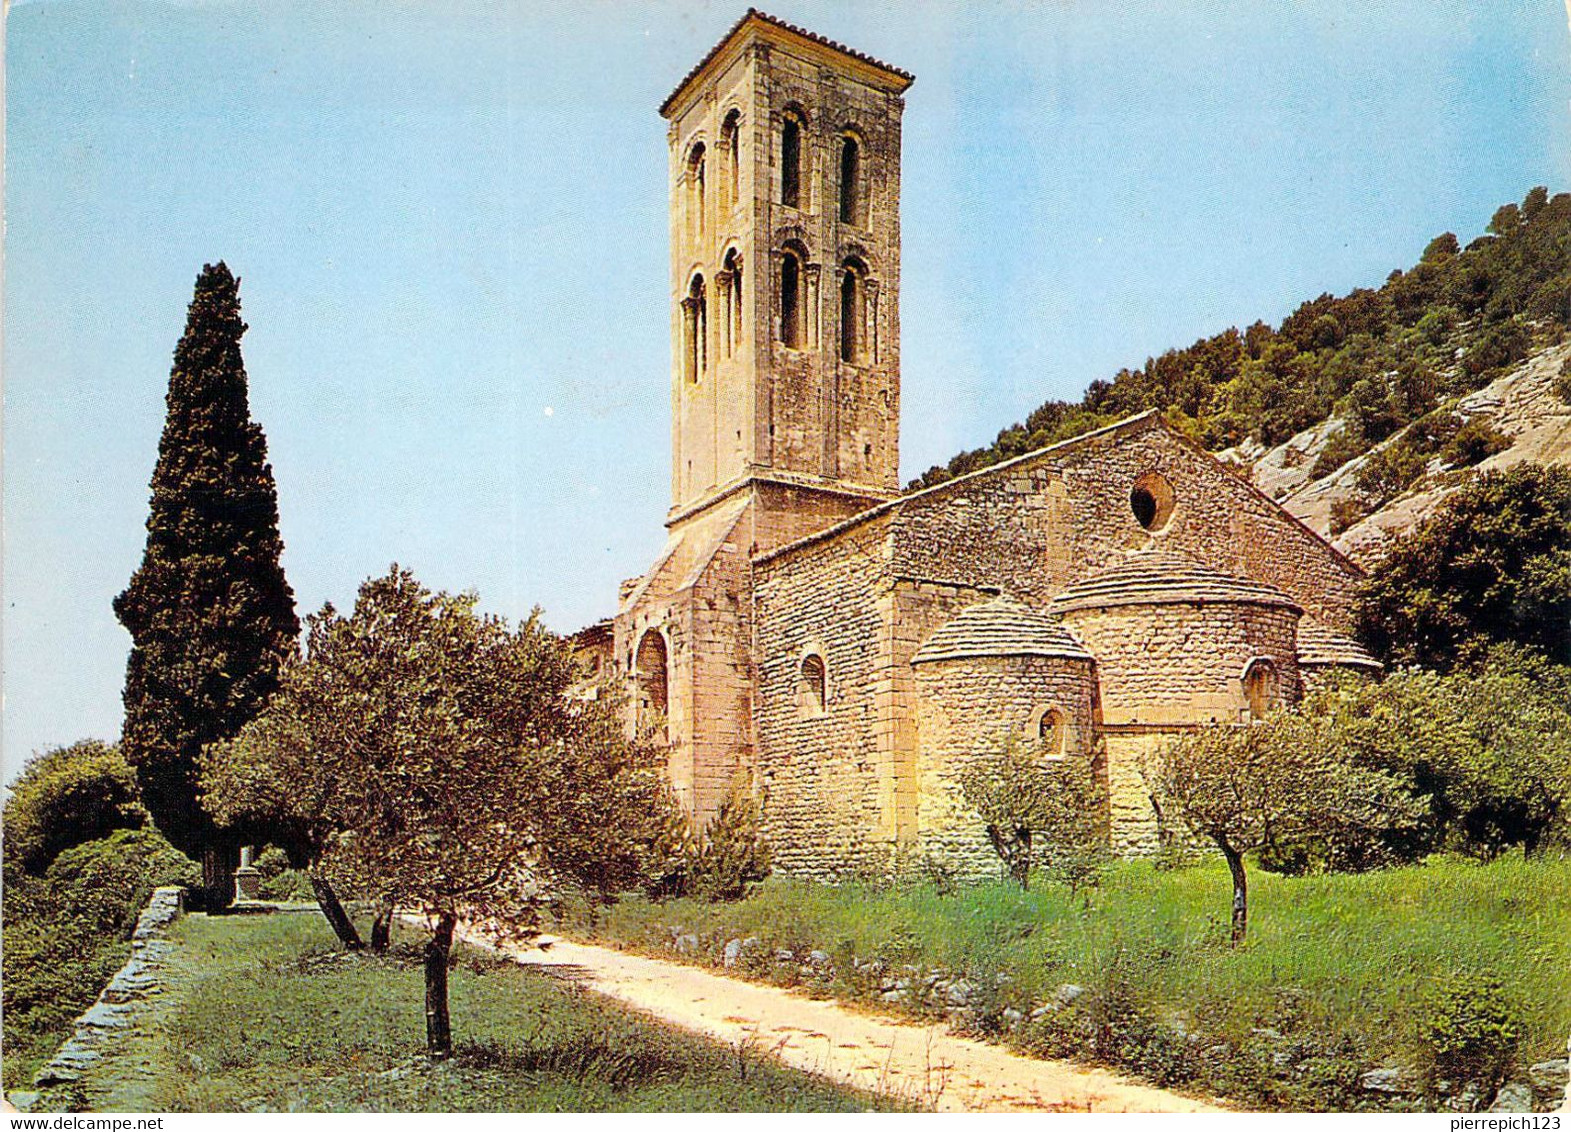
x=1343, y=445
x=1501, y=345
x=1469, y=1034
x=719, y=865
x=279, y=881
x=103, y=885
x=1039, y=812
x=65, y=934
x=1347, y=513
x=734, y=853
x=65, y=797
x=1474, y=443
x=673, y=855
x=1390, y=471
x=1437, y=324
x=1492, y=564
x=1487, y=752
x=1562, y=385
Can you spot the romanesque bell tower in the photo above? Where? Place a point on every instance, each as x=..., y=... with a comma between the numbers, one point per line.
x=785, y=267
x=785, y=369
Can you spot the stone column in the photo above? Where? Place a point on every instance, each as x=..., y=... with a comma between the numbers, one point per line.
x=248, y=881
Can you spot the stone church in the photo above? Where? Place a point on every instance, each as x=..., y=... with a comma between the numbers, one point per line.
x=810, y=633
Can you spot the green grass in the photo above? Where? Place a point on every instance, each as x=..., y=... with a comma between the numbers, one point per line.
x=267, y=1014
x=1336, y=965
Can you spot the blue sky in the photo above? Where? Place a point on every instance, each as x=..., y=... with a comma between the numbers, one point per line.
x=449, y=224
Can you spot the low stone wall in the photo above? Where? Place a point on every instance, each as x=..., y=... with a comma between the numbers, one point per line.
x=119, y=1007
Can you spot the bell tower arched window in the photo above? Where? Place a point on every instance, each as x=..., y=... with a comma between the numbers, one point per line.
x=853, y=311
x=731, y=148
x=850, y=177
x=695, y=331
x=792, y=128
x=696, y=189
x=791, y=314
x=730, y=281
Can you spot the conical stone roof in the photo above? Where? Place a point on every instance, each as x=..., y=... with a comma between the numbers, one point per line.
x=1001, y=627
x=1319, y=646
x=1158, y=577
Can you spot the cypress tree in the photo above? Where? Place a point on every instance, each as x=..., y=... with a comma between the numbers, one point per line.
x=211, y=617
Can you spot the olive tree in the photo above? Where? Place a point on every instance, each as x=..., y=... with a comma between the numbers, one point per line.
x=1255, y=786
x=1039, y=812
x=438, y=757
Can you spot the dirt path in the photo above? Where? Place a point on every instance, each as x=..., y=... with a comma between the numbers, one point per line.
x=920, y=1063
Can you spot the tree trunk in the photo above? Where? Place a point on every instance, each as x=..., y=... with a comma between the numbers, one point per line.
x=1235, y=864
x=327, y=900
x=218, y=876
x=438, y=1027
x=382, y=926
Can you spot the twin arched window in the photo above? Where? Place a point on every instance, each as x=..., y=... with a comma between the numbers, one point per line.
x=793, y=133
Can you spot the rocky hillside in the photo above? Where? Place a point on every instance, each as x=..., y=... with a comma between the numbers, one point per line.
x=1361, y=412
x=1522, y=410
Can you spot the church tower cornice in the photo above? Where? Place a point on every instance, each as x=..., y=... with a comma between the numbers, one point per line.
x=755, y=30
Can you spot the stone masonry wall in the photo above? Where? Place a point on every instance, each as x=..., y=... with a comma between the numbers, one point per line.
x=920, y=609
x=1184, y=664
x=1164, y=670
x=832, y=417
x=821, y=776
x=664, y=603
x=1038, y=525
x=971, y=707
